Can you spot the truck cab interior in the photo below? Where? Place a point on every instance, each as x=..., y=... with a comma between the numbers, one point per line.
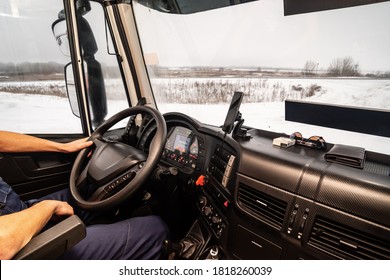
x=241, y=153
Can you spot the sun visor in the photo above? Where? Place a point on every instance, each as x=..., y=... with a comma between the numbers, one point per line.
x=293, y=7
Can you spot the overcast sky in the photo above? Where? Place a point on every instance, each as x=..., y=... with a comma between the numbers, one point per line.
x=23, y=23
x=254, y=34
x=258, y=34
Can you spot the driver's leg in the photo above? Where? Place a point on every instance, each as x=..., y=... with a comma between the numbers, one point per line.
x=135, y=238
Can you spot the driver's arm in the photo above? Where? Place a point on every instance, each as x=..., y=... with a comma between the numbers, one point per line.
x=12, y=142
x=17, y=229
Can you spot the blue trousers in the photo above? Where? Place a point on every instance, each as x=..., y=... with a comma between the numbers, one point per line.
x=135, y=238
x=139, y=238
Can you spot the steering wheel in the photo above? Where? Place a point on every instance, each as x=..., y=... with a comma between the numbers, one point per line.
x=113, y=170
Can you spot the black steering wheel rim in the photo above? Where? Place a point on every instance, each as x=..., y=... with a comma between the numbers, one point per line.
x=148, y=167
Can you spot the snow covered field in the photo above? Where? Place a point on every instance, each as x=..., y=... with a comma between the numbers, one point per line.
x=373, y=93
x=36, y=113
x=41, y=114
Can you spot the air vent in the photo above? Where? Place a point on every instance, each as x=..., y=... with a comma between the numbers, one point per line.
x=265, y=207
x=343, y=242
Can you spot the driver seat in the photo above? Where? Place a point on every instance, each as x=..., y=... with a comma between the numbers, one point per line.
x=53, y=242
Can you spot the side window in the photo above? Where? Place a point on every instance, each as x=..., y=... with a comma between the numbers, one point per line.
x=33, y=95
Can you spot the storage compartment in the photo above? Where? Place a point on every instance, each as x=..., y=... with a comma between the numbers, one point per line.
x=252, y=246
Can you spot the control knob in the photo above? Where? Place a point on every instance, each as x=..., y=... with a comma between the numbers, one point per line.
x=207, y=210
x=202, y=201
x=215, y=219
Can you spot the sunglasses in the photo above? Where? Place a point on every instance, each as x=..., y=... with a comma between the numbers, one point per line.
x=315, y=142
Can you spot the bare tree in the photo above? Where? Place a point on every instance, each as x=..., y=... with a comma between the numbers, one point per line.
x=310, y=67
x=344, y=67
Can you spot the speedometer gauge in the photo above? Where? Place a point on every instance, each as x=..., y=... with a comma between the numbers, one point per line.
x=194, y=149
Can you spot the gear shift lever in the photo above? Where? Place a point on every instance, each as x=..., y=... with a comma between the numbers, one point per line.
x=185, y=249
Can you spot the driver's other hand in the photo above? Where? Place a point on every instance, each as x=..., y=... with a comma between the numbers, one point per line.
x=61, y=208
x=76, y=145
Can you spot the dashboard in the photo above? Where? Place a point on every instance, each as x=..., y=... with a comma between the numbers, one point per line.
x=265, y=202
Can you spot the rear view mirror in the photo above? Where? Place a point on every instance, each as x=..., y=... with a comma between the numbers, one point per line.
x=61, y=35
x=71, y=89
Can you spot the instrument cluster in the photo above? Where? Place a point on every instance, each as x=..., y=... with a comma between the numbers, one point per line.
x=183, y=148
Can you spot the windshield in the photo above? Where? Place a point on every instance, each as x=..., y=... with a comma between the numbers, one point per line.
x=337, y=57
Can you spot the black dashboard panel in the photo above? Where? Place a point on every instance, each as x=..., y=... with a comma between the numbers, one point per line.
x=332, y=211
x=259, y=201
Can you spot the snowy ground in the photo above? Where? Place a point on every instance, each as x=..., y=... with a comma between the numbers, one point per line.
x=41, y=114
x=372, y=93
x=37, y=114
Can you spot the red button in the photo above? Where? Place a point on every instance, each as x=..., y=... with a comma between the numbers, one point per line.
x=201, y=181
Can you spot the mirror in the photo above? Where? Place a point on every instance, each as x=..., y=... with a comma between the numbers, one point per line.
x=93, y=73
x=71, y=89
x=61, y=35
x=96, y=94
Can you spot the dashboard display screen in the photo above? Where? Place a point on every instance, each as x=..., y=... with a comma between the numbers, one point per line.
x=179, y=139
x=181, y=143
x=182, y=147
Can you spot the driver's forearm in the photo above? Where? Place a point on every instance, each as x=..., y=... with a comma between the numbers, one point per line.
x=18, y=228
x=11, y=142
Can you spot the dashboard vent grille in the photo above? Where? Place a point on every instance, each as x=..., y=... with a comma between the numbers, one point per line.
x=346, y=243
x=265, y=207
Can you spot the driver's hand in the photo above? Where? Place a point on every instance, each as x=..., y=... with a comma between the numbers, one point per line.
x=61, y=209
x=76, y=145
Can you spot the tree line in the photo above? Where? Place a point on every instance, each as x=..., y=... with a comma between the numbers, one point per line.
x=339, y=67
x=29, y=68
x=46, y=68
